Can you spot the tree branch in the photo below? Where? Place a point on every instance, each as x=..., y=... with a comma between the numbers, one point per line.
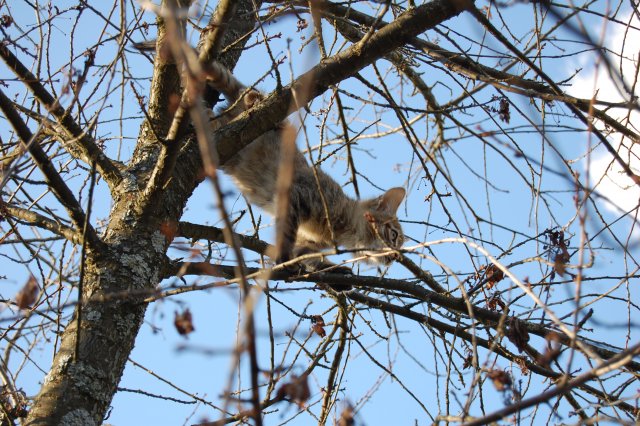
x=81, y=145
x=275, y=108
x=202, y=232
x=577, y=108
x=35, y=219
x=612, y=364
x=457, y=306
x=210, y=46
x=453, y=304
x=54, y=180
x=476, y=71
x=460, y=332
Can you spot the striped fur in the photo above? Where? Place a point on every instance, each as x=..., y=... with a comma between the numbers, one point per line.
x=365, y=226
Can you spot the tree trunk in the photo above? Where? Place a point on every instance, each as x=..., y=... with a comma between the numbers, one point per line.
x=80, y=386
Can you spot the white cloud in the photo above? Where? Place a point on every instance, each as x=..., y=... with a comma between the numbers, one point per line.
x=608, y=176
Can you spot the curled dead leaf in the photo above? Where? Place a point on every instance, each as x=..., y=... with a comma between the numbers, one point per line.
x=347, y=417
x=28, y=294
x=501, y=379
x=6, y=21
x=552, y=351
x=184, y=322
x=503, y=111
x=297, y=390
x=494, y=302
x=493, y=275
x=560, y=263
x=522, y=364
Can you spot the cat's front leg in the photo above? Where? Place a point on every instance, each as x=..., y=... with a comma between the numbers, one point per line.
x=286, y=231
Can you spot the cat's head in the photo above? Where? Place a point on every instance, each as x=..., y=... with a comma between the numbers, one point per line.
x=385, y=230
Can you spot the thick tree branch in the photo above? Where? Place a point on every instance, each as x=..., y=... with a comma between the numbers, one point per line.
x=35, y=219
x=210, y=46
x=80, y=391
x=453, y=304
x=275, y=108
x=488, y=318
x=474, y=70
x=461, y=332
x=202, y=232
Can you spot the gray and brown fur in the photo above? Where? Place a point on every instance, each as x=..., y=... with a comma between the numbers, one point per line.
x=368, y=226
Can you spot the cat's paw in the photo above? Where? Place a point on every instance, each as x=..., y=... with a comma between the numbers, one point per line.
x=343, y=270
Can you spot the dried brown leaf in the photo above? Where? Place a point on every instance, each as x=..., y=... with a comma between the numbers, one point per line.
x=347, y=417
x=184, y=322
x=317, y=325
x=551, y=352
x=28, y=294
x=297, y=390
x=6, y=21
x=522, y=363
x=493, y=275
x=501, y=379
x=494, y=302
x=503, y=111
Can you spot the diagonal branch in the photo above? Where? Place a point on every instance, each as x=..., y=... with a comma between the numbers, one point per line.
x=195, y=231
x=613, y=364
x=457, y=305
x=274, y=109
x=54, y=180
x=578, y=108
x=35, y=219
x=461, y=332
x=81, y=145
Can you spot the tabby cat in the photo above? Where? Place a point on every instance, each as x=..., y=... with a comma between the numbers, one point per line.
x=366, y=226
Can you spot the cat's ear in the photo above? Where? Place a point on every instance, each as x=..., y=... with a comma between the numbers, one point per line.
x=390, y=200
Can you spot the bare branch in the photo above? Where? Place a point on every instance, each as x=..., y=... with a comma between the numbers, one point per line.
x=612, y=364
x=55, y=181
x=80, y=144
x=35, y=219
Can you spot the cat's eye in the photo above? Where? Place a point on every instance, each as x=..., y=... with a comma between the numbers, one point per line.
x=394, y=235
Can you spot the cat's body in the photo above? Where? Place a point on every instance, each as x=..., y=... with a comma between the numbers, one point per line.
x=366, y=225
